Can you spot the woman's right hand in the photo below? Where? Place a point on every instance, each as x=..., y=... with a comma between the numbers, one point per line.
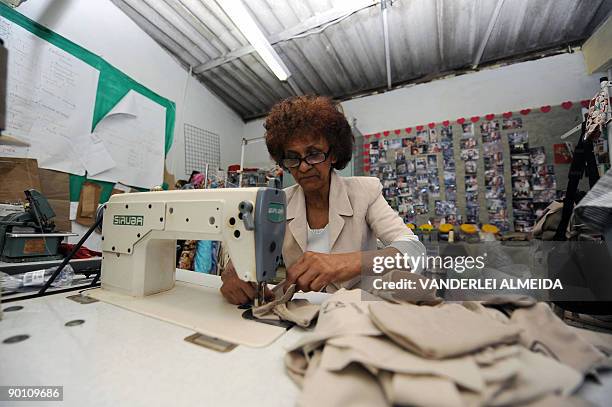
x=238, y=291
x=235, y=290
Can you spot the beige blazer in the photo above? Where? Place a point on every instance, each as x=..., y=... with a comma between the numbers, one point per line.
x=358, y=214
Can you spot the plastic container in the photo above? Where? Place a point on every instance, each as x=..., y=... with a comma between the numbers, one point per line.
x=469, y=233
x=36, y=278
x=445, y=230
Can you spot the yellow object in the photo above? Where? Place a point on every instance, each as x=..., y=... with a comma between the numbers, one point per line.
x=468, y=228
x=488, y=228
x=597, y=50
x=411, y=226
x=426, y=227
x=446, y=227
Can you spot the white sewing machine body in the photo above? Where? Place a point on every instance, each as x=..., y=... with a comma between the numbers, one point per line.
x=140, y=232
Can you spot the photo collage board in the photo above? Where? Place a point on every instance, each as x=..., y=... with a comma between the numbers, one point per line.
x=412, y=169
x=534, y=185
x=479, y=171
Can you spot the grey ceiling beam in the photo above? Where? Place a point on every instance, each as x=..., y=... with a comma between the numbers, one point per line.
x=212, y=46
x=485, y=39
x=305, y=26
x=154, y=16
x=384, y=4
x=294, y=86
x=440, y=30
x=174, y=48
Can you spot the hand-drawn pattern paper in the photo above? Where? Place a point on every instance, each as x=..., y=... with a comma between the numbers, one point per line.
x=93, y=154
x=133, y=134
x=50, y=99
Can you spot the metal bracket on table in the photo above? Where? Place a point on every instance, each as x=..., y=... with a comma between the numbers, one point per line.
x=82, y=299
x=210, y=342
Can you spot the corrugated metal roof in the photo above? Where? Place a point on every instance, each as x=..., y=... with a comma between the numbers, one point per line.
x=336, y=47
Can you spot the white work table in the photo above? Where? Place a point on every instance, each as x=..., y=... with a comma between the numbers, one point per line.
x=121, y=358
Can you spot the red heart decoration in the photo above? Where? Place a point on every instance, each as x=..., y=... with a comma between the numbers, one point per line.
x=408, y=130
x=507, y=115
x=474, y=119
x=377, y=135
x=367, y=135
x=431, y=125
x=490, y=116
x=398, y=131
x=545, y=109
x=366, y=152
x=419, y=128
x=461, y=120
x=366, y=168
x=567, y=105
x=366, y=160
x=386, y=133
x=525, y=111
x=445, y=123
x=366, y=146
x=585, y=103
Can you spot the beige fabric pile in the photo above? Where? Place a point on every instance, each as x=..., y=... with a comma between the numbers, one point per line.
x=368, y=352
x=283, y=307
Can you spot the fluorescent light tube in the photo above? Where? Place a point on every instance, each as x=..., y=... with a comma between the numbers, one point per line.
x=238, y=13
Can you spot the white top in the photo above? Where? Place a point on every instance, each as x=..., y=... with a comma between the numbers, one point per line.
x=318, y=240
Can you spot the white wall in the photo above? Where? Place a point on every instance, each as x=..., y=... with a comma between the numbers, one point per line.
x=256, y=154
x=102, y=28
x=546, y=81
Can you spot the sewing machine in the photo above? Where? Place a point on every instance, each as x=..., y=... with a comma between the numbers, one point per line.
x=140, y=230
x=29, y=234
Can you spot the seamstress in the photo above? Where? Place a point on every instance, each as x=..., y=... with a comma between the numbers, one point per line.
x=332, y=221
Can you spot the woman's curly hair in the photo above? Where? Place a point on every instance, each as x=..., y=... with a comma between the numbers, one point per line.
x=302, y=116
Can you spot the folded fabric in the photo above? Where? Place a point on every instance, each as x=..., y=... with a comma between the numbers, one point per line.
x=297, y=363
x=543, y=332
x=515, y=300
x=493, y=313
x=538, y=376
x=280, y=296
x=492, y=355
x=381, y=353
x=601, y=341
x=344, y=313
x=501, y=371
x=422, y=391
x=353, y=386
x=300, y=311
x=559, y=401
x=438, y=332
x=364, y=351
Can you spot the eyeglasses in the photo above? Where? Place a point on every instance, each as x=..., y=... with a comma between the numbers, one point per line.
x=310, y=159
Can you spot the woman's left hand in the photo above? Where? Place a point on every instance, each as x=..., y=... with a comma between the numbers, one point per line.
x=314, y=271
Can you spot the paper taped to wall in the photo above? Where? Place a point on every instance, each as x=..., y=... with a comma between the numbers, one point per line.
x=132, y=135
x=50, y=99
x=93, y=154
